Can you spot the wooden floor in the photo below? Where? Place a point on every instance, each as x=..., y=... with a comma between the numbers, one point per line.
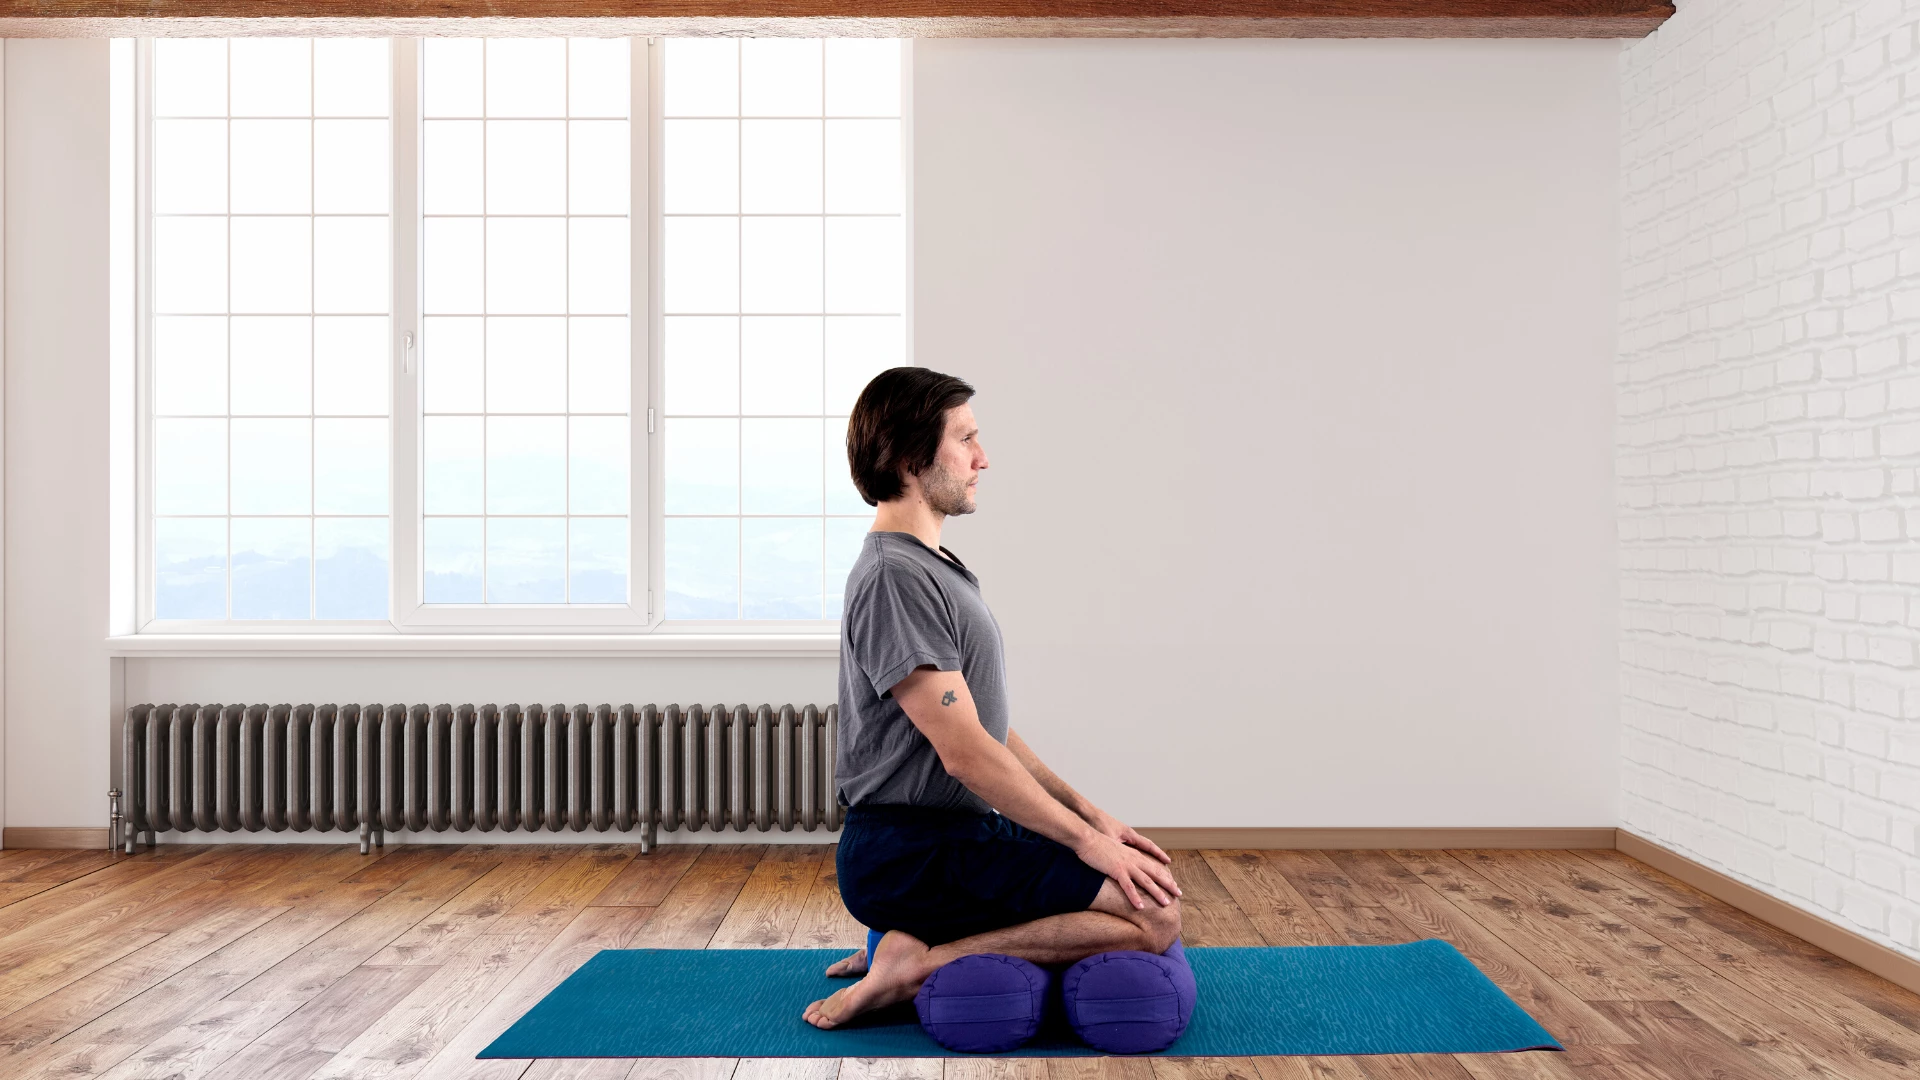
x=309, y=962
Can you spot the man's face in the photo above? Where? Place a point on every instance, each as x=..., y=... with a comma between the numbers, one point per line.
x=949, y=483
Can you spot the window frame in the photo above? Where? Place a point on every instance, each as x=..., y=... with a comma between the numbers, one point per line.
x=408, y=613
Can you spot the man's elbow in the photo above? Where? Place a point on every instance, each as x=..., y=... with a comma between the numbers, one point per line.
x=963, y=766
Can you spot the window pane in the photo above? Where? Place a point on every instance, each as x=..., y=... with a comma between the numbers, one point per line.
x=780, y=568
x=350, y=264
x=703, y=265
x=526, y=365
x=455, y=453
x=701, y=167
x=189, y=265
x=271, y=76
x=780, y=77
x=456, y=266
x=350, y=568
x=527, y=77
x=780, y=466
x=599, y=361
x=598, y=83
x=703, y=77
x=703, y=466
x=272, y=166
x=455, y=177
x=858, y=348
x=526, y=166
x=190, y=568
x=866, y=269
x=350, y=466
x=599, y=161
x=526, y=560
x=272, y=365
x=780, y=166
x=272, y=264
x=272, y=561
x=350, y=358
x=526, y=266
x=350, y=77
x=863, y=77
x=598, y=266
x=454, y=352
x=597, y=557
x=453, y=560
x=452, y=76
x=350, y=173
x=272, y=466
x=780, y=371
x=597, y=465
x=190, y=79
x=703, y=365
x=526, y=465
x=189, y=166
x=844, y=537
x=863, y=167
x=703, y=568
x=190, y=467
x=780, y=264
x=190, y=365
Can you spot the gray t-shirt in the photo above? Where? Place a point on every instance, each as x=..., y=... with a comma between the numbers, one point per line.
x=907, y=607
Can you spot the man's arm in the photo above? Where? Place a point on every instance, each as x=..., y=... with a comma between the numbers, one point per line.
x=940, y=706
x=1076, y=802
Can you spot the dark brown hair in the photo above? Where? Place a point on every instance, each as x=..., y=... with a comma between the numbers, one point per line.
x=896, y=427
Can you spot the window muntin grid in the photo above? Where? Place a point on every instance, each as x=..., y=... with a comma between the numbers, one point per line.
x=270, y=306
x=526, y=447
x=783, y=293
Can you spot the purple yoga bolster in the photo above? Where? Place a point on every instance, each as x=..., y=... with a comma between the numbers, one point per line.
x=1130, y=1002
x=983, y=1004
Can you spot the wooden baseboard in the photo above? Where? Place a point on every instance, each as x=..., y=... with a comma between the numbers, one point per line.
x=32, y=837
x=1377, y=839
x=1895, y=967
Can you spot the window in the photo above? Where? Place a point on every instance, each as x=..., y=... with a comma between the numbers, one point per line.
x=784, y=291
x=269, y=332
x=509, y=333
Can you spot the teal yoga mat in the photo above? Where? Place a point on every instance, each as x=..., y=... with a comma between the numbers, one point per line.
x=1422, y=998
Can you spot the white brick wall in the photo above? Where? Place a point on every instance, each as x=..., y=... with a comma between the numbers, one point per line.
x=1769, y=440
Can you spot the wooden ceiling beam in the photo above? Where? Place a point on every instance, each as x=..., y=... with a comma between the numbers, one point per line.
x=901, y=18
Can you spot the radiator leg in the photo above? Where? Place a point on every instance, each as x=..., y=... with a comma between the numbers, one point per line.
x=647, y=839
x=364, y=833
x=379, y=837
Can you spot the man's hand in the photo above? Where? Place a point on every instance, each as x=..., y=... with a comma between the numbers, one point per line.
x=1131, y=869
x=1108, y=825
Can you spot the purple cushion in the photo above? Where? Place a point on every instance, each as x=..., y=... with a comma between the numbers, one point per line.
x=1130, y=1002
x=983, y=1004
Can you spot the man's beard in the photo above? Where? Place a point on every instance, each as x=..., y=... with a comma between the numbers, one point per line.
x=945, y=492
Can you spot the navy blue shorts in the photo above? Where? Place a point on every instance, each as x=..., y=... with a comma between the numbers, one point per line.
x=942, y=875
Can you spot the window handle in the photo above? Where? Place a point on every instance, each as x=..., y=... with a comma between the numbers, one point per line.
x=406, y=353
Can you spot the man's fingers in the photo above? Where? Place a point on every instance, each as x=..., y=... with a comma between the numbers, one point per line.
x=1125, y=881
x=1151, y=848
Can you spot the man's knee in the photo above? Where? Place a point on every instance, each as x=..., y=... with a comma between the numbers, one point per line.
x=1161, y=925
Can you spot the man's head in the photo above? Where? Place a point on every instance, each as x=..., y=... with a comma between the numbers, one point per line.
x=912, y=433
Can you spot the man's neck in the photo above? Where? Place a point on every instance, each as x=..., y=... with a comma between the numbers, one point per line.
x=909, y=514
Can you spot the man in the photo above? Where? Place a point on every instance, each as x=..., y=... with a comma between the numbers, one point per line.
x=926, y=753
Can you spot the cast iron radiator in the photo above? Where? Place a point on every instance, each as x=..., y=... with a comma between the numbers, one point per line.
x=383, y=768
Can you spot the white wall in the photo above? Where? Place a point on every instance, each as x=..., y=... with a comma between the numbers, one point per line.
x=1294, y=371
x=1329, y=545
x=56, y=434
x=1769, y=452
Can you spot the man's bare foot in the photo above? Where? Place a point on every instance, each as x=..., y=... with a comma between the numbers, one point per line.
x=895, y=976
x=851, y=967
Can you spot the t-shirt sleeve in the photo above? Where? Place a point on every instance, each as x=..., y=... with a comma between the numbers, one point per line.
x=896, y=622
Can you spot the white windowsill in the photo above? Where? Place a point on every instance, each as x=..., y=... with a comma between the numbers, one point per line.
x=499, y=645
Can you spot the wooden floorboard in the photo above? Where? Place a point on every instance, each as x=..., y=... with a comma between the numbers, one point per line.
x=314, y=962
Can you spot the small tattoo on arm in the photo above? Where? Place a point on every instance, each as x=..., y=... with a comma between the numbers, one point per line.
x=948, y=699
